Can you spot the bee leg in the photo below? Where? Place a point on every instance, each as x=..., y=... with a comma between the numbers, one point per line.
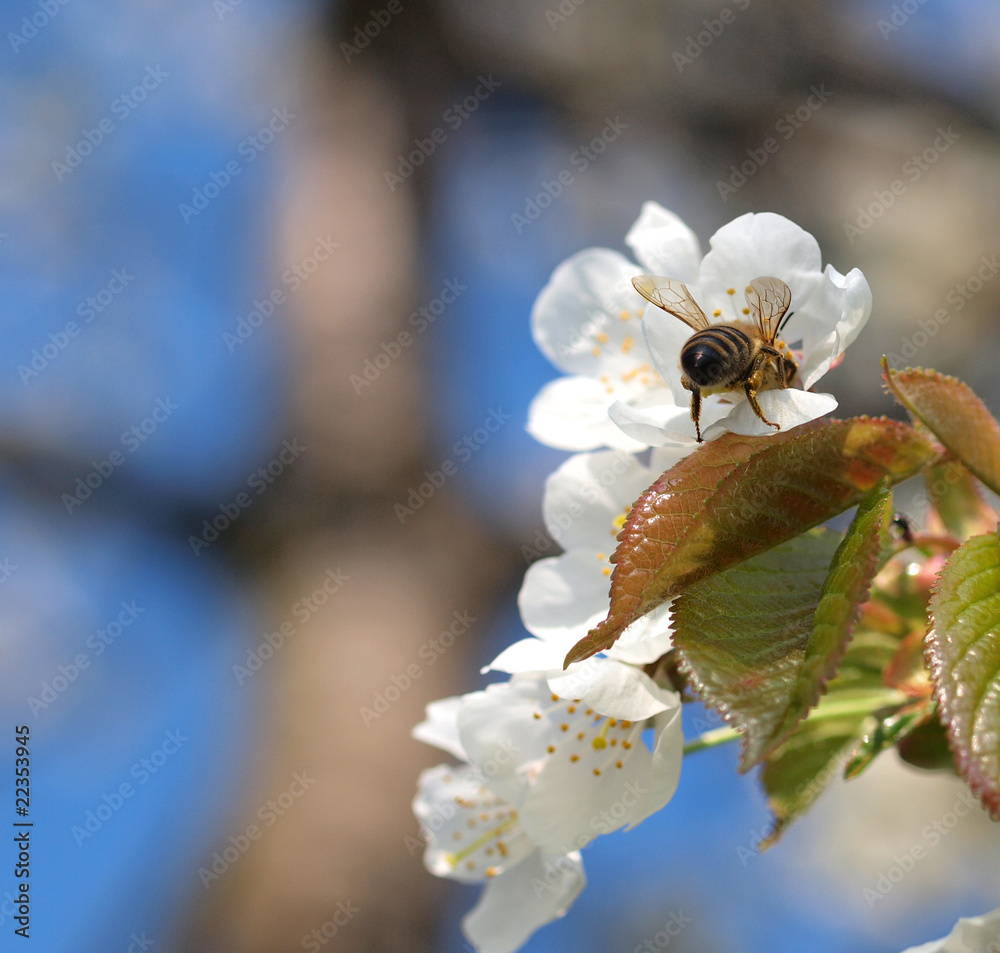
x=750, y=389
x=755, y=406
x=696, y=411
x=787, y=369
x=780, y=360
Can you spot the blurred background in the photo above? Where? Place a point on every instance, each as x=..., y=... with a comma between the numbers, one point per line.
x=264, y=265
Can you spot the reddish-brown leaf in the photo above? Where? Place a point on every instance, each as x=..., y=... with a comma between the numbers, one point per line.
x=954, y=414
x=739, y=496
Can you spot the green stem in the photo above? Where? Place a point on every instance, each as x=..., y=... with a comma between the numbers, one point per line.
x=827, y=711
x=712, y=739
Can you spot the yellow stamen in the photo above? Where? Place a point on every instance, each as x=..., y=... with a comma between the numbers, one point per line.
x=456, y=859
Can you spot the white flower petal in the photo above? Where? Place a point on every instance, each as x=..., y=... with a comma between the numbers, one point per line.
x=507, y=728
x=664, y=244
x=614, y=689
x=787, y=407
x=663, y=458
x=565, y=596
x=665, y=425
x=847, y=300
x=471, y=834
x=668, y=755
x=665, y=335
x=646, y=639
x=753, y=246
x=440, y=727
x=586, y=320
x=571, y=413
x=970, y=935
x=587, y=494
x=531, y=655
x=614, y=781
x=514, y=905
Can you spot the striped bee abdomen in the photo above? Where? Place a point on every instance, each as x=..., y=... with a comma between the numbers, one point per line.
x=716, y=355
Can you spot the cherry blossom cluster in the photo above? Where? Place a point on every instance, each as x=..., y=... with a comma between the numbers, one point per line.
x=551, y=758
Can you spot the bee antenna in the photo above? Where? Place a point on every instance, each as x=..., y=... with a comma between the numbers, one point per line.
x=785, y=321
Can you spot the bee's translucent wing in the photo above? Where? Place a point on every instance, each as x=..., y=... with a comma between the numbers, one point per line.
x=673, y=296
x=768, y=300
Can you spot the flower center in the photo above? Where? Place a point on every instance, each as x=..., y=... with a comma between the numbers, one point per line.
x=485, y=833
x=593, y=741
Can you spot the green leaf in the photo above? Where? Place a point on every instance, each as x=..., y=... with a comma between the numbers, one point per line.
x=761, y=640
x=954, y=414
x=798, y=772
x=963, y=649
x=956, y=498
x=739, y=496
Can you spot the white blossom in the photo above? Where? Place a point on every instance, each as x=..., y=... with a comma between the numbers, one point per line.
x=827, y=312
x=970, y=935
x=563, y=597
x=625, y=372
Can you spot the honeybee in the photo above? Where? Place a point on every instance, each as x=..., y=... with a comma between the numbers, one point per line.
x=732, y=355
